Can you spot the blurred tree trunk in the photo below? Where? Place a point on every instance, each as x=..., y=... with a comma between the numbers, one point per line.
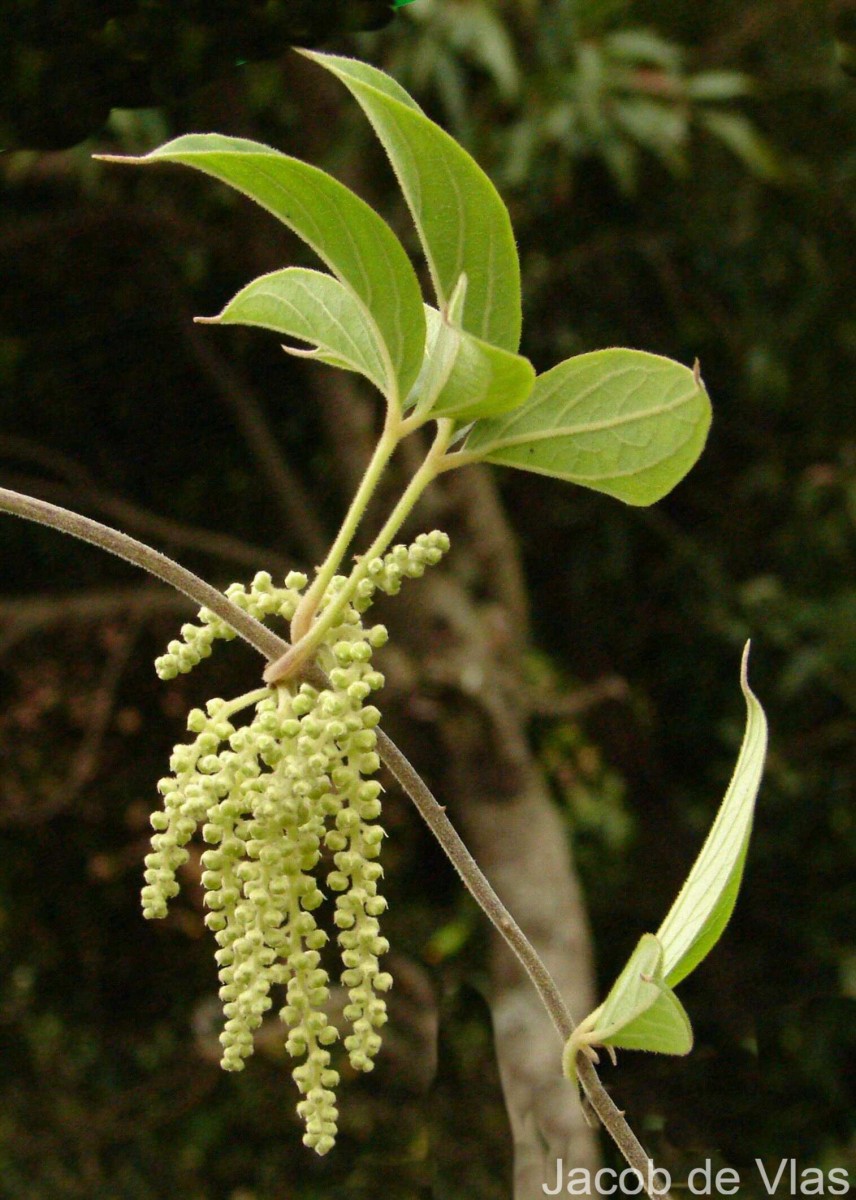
x=457, y=665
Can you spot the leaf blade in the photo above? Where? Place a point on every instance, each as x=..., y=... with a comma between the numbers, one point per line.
x=349, y=237
x=631, y=995
x=664, y=1028
x=704, y=904
x=623, y=422
x=315, y=308
x=462, y=222
x=482, y=380
x=640, y=1012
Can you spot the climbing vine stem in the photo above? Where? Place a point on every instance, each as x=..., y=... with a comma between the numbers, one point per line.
x=274, y=648
x=140, y=555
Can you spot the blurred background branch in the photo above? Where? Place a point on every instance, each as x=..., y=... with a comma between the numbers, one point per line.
x=682, y=179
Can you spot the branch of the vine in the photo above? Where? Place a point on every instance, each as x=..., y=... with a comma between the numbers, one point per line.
x=272, y=647
x=141, y=555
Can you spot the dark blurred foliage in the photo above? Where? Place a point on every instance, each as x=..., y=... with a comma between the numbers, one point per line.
x=67, y=63
x=682, y=179
x=845, y=39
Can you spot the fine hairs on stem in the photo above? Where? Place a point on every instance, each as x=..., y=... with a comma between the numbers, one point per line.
x=298, y=655
x=272, y=648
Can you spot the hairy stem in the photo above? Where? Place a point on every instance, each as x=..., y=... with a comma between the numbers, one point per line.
x=241, y=702
x=435, y=818
x=612, y=1119
x=273, y=647
x=303, y=651
x=458, y=458
x=203, y=594
x=308, y=606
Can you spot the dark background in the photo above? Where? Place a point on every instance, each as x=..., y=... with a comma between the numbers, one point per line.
x=660, y=202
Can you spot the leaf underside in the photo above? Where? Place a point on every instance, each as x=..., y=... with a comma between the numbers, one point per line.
x=641, y=1011
x=619, y=421
x=704, y=905
x=347, y=235
x=315, y=308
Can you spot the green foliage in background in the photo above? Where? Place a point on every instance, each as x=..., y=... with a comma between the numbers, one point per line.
x=653, y=232
x=65, y=65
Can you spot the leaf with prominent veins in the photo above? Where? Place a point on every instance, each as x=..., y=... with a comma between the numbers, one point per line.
x=354, y=242
x=619, y=421
x=704, y=905
x=461, y=220
x=641, y=1011
x=315, y=308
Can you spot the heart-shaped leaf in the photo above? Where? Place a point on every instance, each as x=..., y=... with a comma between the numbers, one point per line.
x=696, y=920
x=467, y=377
x=315, y=308
x=354, y=242
x=460, y=218
x=620, y=421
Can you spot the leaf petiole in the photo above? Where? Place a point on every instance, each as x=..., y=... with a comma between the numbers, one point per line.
x=301, y=652
x=383, y=452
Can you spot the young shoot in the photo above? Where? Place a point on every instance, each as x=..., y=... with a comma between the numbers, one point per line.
x=280, y=783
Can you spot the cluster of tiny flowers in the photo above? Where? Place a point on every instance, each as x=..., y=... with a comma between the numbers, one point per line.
x=263, y=600
x=272, y=795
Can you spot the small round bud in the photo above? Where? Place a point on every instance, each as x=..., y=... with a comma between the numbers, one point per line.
x=196, y=720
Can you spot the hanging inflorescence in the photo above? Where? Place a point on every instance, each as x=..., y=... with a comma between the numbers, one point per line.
x=272, y=796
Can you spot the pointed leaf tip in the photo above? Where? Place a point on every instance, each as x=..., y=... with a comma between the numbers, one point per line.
x=314, y=308
x=705, y=903
x=349, y=236
x=460, y=218
x=641, y=1011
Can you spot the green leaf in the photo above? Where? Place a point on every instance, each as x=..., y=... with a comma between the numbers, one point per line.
x=642, y=46
x=719, y=86
x=353, y=241
x=469, y=378
x=618, y=421
x=745, y=140
x=461, y=220
x=315, y=308
x=705, y=903
x=659, y=127
x=641, y=1012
